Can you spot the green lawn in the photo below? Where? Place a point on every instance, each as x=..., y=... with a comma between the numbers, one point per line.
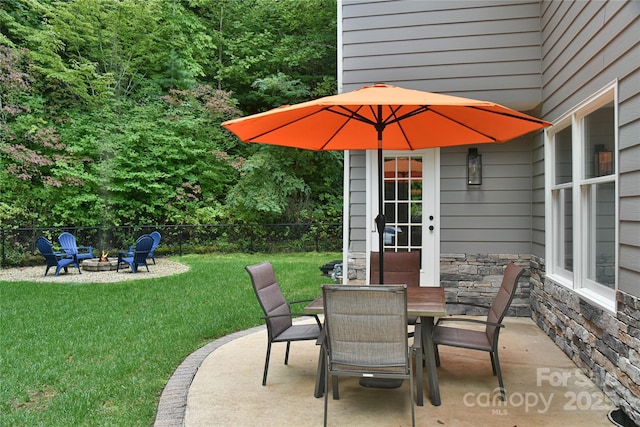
x=100, y=354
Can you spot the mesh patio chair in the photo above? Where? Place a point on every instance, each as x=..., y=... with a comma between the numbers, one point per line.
x=399, y=267
x=54, y=259
x=366, y=335
x=277, y=313
x=487, y=339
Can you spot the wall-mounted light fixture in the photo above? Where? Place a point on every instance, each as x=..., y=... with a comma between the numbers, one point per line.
x=474, y=167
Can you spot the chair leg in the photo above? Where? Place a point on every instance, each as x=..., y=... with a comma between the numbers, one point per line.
x=437, y=354
x=419, y=376
x=326, y=397
x=413, y=410
x=266, y=364
x=286, y=355
x=493, y=363
x=494, y=358
x=335, y=384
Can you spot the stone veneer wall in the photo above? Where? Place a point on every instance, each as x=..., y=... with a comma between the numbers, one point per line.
x=476, y=278
x=471, y=278
x=605, y=346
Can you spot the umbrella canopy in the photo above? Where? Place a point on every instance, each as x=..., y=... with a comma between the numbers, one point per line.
x=384, y=117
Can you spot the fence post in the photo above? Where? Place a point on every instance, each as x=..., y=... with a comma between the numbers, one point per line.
x=2, y=240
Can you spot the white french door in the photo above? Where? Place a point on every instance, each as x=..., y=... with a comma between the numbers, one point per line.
x=411, y=207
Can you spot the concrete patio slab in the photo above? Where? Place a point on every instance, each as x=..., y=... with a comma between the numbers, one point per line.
x=221, y=386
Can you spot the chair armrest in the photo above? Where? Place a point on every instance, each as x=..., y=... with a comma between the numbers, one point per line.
x=292, y=315
x=271, y=316
x=461, y=319
x=299, y=301
x=63, y=255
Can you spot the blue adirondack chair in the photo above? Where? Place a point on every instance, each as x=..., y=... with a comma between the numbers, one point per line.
x=54, y=259
x=155, y=235
x=68, y=244
x=140, y=254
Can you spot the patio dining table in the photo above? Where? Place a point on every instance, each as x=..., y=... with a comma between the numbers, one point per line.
x=426, y=302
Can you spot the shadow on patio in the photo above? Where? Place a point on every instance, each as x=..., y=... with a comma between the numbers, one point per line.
x=221, y=385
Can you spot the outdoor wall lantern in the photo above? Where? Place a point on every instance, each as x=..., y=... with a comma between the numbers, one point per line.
x=474, y=167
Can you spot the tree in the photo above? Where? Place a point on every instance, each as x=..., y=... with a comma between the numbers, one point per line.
x=110, y=111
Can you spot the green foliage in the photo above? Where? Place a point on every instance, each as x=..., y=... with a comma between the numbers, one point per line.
x=110, y=111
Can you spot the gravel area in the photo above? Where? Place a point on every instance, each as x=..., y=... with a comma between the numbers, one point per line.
x=163, y=267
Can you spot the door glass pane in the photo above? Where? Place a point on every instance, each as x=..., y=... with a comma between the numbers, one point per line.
x=416, y=191
x=403, y=202
x=599, y=142
x=389, y=189
x=563, y=170
x=601, y=198
x=403, y=212
x=390, y=212
x=416, y=236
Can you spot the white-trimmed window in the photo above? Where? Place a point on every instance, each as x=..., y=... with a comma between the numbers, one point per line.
x=582, y=202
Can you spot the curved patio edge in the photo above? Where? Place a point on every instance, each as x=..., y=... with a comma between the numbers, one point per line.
x=172, y=406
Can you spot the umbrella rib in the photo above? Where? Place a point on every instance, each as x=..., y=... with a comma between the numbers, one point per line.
x=464, y=125
x=397, y=120
x=351, y=114
x=421, y=109
x=507, y=114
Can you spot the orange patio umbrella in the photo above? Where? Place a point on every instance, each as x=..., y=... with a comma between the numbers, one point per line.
x=384, y=117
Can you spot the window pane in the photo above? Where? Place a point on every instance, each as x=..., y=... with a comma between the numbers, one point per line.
x=567, y=209
x=564, y=171
x=599, y=142
x=601, y=249
x=563, y=223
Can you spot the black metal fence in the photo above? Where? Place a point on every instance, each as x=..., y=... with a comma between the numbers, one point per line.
x=18, y=245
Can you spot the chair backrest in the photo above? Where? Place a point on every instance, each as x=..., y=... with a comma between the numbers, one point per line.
x=503, y=298
x=366, y=328
x=46, y=249
x=143, y=246
x=155, y=235
x=68, y=243
x=399, y=267
x=44, y=245
x=270, y=296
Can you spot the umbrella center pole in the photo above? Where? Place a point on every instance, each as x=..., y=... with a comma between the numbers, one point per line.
x=380, y=220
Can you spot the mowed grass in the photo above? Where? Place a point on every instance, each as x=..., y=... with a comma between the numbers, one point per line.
x=100, y=354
